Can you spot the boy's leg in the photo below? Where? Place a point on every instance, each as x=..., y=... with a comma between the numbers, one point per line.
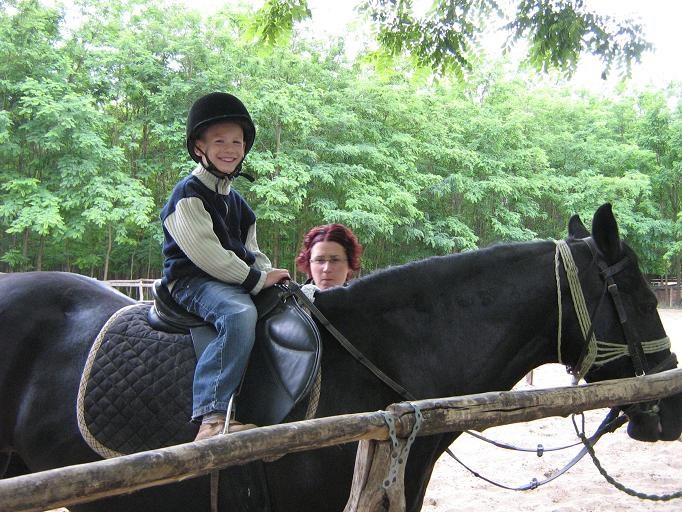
x=221, y=366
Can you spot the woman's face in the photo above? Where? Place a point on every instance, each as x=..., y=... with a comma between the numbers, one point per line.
x=329, y=264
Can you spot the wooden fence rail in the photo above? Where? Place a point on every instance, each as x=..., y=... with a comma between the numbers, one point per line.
x=88, y=482
x=135, y=284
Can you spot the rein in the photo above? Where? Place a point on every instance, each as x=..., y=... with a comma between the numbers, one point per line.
x=295, y=289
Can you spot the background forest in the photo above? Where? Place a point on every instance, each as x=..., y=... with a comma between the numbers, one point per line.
x=93, y=103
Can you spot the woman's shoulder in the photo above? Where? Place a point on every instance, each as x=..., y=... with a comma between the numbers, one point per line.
x=309, y=290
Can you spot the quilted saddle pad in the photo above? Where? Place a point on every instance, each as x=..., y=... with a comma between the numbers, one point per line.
x=135, y=393
x=136, y=390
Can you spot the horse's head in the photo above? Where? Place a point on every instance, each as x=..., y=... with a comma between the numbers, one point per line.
x=617, y=322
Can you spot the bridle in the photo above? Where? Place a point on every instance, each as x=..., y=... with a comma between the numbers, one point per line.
x=596, y=353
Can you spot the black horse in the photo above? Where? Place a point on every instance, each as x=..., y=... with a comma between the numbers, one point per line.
x=445, y=326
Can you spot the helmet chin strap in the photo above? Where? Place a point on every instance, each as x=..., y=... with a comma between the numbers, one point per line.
x=221, y=175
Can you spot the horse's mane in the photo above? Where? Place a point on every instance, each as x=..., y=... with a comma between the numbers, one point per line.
x=425, y=276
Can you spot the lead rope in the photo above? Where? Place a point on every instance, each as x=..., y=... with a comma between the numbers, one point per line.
x=609, y=424
x=589, y=447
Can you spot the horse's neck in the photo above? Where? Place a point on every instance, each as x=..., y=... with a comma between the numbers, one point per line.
x=459, y=324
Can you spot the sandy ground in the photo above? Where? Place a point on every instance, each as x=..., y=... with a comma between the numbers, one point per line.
x=651, y=468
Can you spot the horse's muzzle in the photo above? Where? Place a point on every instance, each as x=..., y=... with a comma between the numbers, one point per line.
x=655, y=421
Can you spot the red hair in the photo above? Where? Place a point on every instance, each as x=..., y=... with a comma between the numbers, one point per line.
x=330, y=233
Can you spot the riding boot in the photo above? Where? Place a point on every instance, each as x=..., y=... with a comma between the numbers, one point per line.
x=215, y=425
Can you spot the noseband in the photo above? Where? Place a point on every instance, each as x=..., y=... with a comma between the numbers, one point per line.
x=595, y=352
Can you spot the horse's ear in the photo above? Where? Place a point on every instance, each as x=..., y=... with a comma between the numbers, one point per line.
x=576, y=228
x=605, y=232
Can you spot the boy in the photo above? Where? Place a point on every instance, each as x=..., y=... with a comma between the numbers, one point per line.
x=212, y=263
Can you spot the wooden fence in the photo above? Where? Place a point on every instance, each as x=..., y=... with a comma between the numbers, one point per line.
x=92, y=481
x=668, y=295
x=143, y=288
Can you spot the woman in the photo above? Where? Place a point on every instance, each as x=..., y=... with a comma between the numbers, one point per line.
x=329, y=256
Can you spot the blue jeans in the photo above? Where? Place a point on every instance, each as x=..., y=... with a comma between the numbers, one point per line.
x=221, y=366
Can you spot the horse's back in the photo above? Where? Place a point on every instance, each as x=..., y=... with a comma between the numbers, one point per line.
x=48, y=321
x=50, y=310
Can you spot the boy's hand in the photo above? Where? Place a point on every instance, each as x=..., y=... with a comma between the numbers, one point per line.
x=276, y=275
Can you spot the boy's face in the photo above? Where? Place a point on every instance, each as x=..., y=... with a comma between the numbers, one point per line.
x=223, y=144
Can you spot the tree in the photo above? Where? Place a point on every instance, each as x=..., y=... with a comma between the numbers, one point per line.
x=448, y=37
x=53, y=136
x=116, y=202
x=660, y=131
x=92, y=140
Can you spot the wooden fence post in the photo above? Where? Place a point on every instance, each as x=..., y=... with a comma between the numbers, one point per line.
x=372, y=464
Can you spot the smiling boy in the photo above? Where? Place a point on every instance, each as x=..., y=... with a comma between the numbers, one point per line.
x=212, y=263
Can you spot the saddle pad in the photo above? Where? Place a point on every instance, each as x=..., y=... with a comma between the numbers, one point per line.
x=135, y=393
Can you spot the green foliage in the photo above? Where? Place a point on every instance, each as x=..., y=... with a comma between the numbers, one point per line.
x=560, y=31
x=276, y=19
x=447, y=37
x=443, y=40
x=92, y=136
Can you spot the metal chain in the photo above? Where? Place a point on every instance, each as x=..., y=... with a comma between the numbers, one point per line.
x=618, y=485
x=398, y=456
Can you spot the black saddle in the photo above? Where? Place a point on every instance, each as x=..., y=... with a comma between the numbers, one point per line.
x=284, y=361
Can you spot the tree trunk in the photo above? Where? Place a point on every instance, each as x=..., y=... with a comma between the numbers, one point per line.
x=24, y=248
x=39, y=257
x=149, y=261
x=678, y=274
x=68, y=256
x=278, y=138
x=675, y=207
x=275, y=249
x=300, y=233
x=106, y=258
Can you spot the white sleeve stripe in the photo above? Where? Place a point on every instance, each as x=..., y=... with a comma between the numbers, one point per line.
x=262, y=261
x=191, y=227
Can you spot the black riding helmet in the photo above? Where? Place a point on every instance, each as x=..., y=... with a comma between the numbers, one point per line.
x=213, y=108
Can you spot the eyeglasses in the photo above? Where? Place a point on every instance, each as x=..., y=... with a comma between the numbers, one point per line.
x=333, y=260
